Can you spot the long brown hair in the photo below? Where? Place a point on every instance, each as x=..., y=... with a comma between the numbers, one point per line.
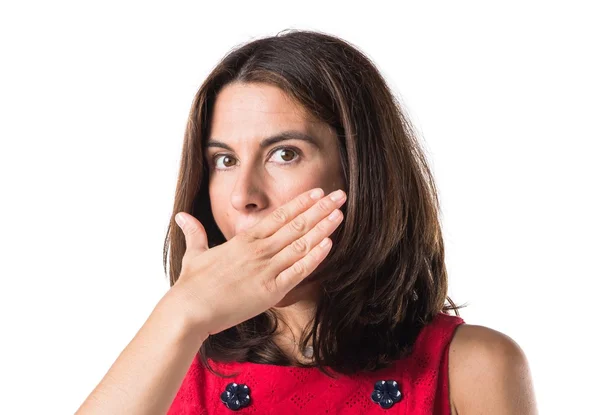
x=385, y=277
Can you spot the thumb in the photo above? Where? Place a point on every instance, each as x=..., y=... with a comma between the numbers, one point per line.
x=195, y=235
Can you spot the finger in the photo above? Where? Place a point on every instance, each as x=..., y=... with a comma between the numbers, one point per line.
x=302, y=268
x=283, y=214
x=305, y=222
x=196, y=240
x=301, y=247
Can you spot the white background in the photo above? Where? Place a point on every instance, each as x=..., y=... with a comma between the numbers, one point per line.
x=93, y=103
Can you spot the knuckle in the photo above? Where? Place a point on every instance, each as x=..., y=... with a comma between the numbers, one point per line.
x=280, y=215
x=298, y=224
x=260, y=250
x=303, y=203
x=300, y=246
x=269, y=285
x=299, y=268
x=323, y=205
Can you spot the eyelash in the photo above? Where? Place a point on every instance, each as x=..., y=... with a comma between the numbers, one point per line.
x=294, y=161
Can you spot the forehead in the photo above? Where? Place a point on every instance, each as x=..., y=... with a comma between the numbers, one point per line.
x=251, y=110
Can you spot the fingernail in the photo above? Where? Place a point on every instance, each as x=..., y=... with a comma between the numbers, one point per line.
x=316, y=194
x=325, y=242
x=180, y=220
x=337, y=195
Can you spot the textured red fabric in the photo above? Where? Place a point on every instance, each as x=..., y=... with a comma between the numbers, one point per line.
x=422, y=378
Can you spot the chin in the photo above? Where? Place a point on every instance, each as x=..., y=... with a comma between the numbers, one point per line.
x=292, y=297
x=287, y=300
x=306, y=290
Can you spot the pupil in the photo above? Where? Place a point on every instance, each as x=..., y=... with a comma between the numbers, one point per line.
x=289, y=157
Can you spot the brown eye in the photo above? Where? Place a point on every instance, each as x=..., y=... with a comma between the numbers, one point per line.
x=285, y=155
x=224, y=161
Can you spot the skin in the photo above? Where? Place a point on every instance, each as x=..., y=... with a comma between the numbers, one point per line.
x=488, y=371
x=248, y=181
x=489, y=374
x=266, y=264
x=217, y=288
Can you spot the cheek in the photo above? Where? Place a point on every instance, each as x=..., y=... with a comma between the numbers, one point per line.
x=289, y=186
x=326, y=172
x=327, y=177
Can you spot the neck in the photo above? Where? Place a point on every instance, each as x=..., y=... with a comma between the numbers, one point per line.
x=296, y=311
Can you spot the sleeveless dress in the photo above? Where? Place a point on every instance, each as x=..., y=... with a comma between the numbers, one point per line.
x=416, y=384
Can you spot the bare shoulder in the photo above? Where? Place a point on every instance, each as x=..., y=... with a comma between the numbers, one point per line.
x=489, y=374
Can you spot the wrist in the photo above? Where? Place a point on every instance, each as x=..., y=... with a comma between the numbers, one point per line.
x=177, y=308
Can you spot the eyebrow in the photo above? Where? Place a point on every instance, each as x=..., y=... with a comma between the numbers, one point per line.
x=269, y=141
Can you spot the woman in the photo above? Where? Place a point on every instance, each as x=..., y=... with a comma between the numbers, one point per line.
x=307, y=272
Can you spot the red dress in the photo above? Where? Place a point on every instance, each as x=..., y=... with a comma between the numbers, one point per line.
x=420, y=387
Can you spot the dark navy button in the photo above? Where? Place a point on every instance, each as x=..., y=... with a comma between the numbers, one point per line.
x=386, y=393
x=236, y=396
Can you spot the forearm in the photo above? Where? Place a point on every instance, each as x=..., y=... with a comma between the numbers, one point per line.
x=148, y=373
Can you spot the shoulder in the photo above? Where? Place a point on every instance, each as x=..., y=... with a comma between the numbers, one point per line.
x=488, y=373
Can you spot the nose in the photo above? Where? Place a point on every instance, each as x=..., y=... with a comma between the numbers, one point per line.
x=248, y=193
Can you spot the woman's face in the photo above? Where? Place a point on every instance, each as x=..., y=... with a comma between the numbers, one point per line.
x=263, y=150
